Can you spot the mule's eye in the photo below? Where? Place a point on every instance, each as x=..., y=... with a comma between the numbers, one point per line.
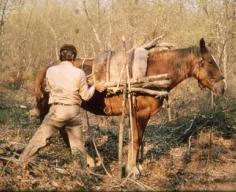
x=201, y=62
x=211, y=62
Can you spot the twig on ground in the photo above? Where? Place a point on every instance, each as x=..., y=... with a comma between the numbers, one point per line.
x=9, y=158
x=99, y=156
x=226, y=159
x=126, y=178
x=190, y=127
x=8, y=161
x=96, y=174
x=189, y=144
x=146, y=187
x=189, y=131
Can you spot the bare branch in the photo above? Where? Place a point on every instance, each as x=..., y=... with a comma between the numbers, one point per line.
x=153, y=43
x=2, y=16
x=55, y=38
x=92, y=25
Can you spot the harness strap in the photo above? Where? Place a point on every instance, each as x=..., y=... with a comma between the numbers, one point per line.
x=108, y=66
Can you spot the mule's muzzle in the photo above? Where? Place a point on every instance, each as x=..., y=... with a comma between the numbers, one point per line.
x=220, y=87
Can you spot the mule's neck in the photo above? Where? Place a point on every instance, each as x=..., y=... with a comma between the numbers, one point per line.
x=184, y=64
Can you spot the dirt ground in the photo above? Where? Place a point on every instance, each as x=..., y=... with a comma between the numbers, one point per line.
x=195, y=151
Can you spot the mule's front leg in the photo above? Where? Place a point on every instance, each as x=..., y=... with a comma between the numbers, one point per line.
x=139, y=125
x=132, y=167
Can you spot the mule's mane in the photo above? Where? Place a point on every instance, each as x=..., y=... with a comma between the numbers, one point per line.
x=179, y=53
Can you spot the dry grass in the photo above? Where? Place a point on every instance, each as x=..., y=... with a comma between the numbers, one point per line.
x=204, y=162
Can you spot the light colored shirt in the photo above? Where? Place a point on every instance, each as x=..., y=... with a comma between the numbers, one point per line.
x=67, y=83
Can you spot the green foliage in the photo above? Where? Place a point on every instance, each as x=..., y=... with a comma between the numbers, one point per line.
x=13, y=116
x=13, y=85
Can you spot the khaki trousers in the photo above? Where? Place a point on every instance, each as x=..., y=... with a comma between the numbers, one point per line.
x=59, y=116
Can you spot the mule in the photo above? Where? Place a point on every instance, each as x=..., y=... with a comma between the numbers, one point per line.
x=194, y=61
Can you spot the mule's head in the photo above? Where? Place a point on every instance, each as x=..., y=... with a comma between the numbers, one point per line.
x=207, y=71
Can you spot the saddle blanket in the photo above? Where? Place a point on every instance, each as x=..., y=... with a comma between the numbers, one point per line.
x=108, y=66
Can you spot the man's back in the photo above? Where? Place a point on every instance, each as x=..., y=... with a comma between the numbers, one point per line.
x=66, y=84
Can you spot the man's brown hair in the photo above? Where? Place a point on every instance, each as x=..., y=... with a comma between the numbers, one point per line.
x=68, y=52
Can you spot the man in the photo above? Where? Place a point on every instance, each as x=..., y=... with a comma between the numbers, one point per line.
x=66, y=85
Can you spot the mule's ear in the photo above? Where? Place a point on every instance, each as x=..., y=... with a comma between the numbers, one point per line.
x=203, y=48
x=210, y=44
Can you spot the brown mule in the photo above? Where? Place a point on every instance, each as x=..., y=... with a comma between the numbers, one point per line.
x=195, y=61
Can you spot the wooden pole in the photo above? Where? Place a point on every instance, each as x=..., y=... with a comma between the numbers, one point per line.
x=130, y=100
x=168, y=108
x=212, y=100
x=154, y=93
x=144, y=82
x=121, y=126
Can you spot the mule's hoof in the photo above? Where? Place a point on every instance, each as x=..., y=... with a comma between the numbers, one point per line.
x=90, y=162
x=134, y=172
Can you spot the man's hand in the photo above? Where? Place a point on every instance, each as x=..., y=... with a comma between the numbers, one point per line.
x=100, y=86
